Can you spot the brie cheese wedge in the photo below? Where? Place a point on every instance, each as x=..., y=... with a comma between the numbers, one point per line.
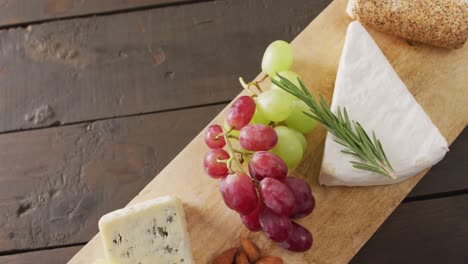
x=374, y=96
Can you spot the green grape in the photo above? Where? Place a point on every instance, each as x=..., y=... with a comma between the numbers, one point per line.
x=274, y=105
x=298, y=120
x=288, y=148
x=300, y=137
x=233, y=132
x=259, y=118
x=290, y=75
x=277, y=57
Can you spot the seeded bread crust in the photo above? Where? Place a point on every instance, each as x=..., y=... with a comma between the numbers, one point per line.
x=440, y=23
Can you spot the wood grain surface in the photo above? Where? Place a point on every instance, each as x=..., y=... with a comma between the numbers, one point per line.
x=345, y=218
x=138, y=62
x=56, y=183
x=14, y=12
x=421, y=224
x=52, y=256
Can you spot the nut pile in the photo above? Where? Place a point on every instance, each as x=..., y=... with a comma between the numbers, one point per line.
x=247, y=253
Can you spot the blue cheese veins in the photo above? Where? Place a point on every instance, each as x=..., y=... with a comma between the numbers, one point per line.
x=153, y=232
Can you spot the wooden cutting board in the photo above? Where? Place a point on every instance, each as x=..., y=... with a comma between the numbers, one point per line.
x=345, y=218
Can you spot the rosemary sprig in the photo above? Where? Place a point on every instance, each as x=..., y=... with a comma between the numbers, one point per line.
x=349, y=134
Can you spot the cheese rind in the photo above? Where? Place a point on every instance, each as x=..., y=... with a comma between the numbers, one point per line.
x=153, y=232
x=375, y=96
x=350, y=7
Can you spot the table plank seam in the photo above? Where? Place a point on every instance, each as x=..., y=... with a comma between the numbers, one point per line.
x=58, y=123
x=27, y=250
x=433, y=196
x=102, y=13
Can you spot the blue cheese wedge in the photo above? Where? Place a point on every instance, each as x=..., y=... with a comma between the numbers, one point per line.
x=374, y=95
x=153, y=232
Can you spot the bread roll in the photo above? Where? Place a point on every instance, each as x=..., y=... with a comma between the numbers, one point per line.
x=440, y=23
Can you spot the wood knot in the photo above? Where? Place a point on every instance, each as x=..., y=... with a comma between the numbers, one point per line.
x=40, y=114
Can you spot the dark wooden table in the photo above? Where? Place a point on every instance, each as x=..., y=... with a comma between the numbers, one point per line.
x=96, y=97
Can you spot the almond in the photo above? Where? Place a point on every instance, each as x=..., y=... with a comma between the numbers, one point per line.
x=250, y=249
x=227, y=257
x=269, y=260
x=241, y=258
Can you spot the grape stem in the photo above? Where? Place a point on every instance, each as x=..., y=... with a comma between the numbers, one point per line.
x=232, y=156
x=242, y=154
x=273, y=124
x=222, y=134
x=257, y=83
x=232, y=152
x=254, y=83
x=247, y=86
x=256, y=183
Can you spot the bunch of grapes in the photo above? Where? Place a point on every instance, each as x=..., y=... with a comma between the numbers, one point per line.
x=264, y=138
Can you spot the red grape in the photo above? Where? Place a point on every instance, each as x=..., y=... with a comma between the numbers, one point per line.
x=223, y=194
x=277, y=196
x=265, y=164
x=257, y=137
x=276, y=227
x=241, y=112
x=305, y=202
x=299, y=240
x=252, y=221
x=214, y=168
x=240, y=193
x=211, y=134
